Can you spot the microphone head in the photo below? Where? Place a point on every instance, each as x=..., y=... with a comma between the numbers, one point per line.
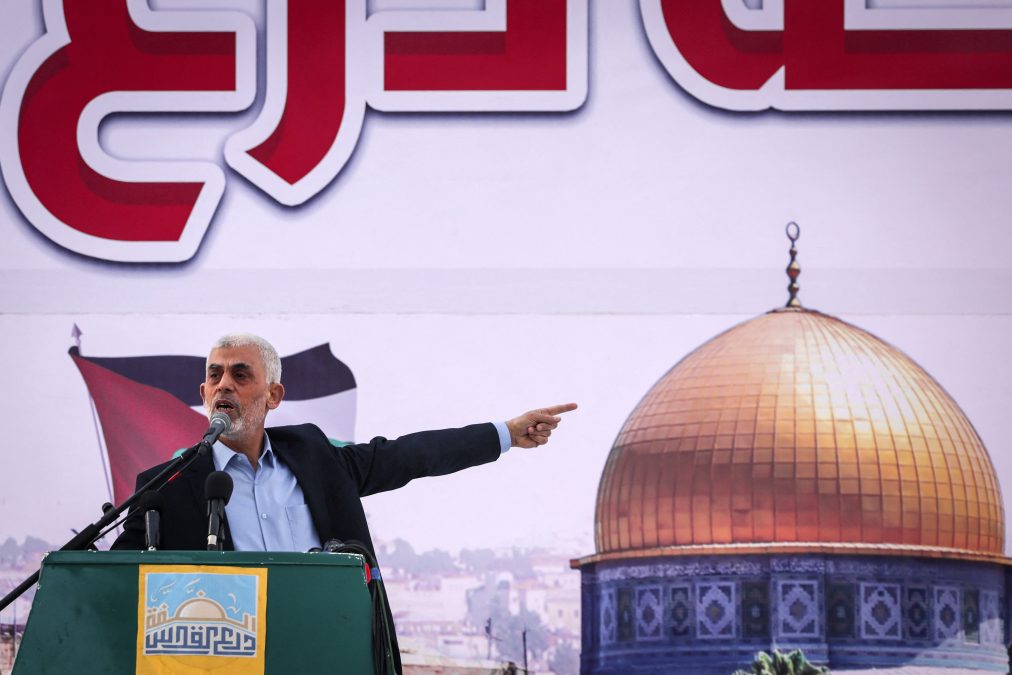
x=218, y=486
x=220, y=419
x=152, y=501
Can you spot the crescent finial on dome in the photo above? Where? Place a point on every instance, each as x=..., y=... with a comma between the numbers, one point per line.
x=793, y=268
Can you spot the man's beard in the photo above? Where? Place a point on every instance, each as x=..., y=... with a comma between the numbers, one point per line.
x=250, y=417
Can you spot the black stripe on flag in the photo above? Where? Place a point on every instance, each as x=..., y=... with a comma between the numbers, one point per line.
x=310, y=374
x=314, y=373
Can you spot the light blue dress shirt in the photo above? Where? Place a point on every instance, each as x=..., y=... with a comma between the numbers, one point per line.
x=267, y=510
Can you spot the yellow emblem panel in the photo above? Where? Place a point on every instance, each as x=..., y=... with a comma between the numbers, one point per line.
x=201, y=619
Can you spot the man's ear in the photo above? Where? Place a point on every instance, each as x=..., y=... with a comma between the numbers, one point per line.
x=275, y=393
x=202, y=398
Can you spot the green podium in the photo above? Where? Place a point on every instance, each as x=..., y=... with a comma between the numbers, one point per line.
x=195, y=611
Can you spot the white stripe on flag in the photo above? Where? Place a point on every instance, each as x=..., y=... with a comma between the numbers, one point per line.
x=335, y=414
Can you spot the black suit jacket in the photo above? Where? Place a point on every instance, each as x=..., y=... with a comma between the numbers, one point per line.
x=332, y=479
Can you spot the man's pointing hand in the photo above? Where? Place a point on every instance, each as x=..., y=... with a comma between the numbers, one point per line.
x=534, y=427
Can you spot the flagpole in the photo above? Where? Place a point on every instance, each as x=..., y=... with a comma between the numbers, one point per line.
x=102, y=451
x=76, y=334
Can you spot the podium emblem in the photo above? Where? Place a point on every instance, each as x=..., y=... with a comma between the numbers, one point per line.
x=202, y=616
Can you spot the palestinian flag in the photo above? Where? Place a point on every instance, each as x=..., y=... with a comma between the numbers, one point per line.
x=148, y=407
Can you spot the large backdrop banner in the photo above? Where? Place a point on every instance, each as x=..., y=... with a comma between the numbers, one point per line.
x=450, y=211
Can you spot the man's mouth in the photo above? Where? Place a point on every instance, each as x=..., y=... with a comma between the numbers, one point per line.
x=224, y=406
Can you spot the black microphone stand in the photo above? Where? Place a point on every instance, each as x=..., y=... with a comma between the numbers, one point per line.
x=86, y=537
x=215, y=533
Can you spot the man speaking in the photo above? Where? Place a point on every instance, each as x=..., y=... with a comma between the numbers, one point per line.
x=293, y=489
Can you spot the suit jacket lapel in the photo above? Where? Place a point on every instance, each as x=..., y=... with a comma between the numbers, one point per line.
x=311, y=482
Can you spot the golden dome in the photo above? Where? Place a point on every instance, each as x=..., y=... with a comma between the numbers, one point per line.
x=798, y=427
x=201, y=608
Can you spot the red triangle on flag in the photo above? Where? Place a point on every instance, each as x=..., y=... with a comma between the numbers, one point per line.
x=142, y=425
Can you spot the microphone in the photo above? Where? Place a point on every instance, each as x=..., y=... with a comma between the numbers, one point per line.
x=217, y=489
x=151, y=506
x=219, y=424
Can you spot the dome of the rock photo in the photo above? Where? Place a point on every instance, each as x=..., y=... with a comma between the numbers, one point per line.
x=797, y=483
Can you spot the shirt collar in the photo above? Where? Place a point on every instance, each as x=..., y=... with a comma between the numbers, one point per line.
x=222, y=454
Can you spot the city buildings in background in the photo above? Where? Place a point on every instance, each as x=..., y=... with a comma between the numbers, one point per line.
x=17, y=561
x=480, y=607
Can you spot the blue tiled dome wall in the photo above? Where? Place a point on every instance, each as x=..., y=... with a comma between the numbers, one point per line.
x=677, y=614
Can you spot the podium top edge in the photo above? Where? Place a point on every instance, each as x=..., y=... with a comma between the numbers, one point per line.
x=235, y=558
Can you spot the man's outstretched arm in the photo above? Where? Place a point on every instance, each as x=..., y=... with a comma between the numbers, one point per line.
x=383, y=464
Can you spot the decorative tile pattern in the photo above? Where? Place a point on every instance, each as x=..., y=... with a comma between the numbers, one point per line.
x=971, y=615
x=880, y=611
x=681, y=570
x=626, y=615
x=797, y=609
x=840, y=610
x=990, y=618
x=947, y=613
x=917, y=618
x=649, y=613
x=680, y=611
x=755, y=609
x=715, y=610
x=795, y=565
x=890, y=610
x=608, y=619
